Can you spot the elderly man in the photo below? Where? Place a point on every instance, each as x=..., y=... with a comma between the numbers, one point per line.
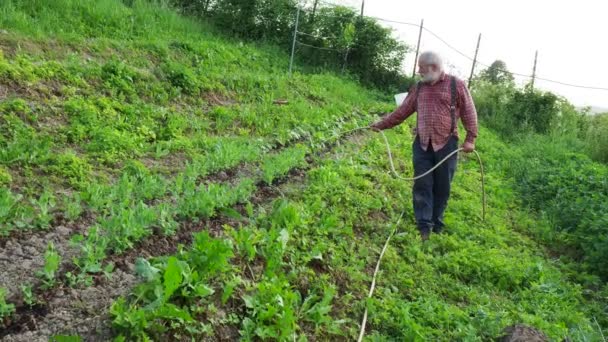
x=439, y=99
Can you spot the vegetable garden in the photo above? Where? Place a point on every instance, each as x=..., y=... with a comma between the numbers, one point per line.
x=153, y=188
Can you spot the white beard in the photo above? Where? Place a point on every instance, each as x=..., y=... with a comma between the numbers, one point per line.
x=431, y=77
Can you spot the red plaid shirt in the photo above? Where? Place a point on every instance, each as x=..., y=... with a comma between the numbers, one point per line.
x=434, y=118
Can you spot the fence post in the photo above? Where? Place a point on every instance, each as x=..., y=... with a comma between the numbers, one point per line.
x=474, y=61
x=418, y=47
x=295, y=37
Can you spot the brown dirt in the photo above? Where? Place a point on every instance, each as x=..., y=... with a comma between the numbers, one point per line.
x=23, y=254
x=522, y=333
x=215, y=99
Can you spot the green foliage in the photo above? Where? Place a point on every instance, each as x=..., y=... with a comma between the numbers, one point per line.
x=221, y=154
x=28, y=296
x=533, y=108
x=571, y=191
x=255, y=19
x=44, y=205
x=73, y=207
x=513, y=111
x=5, y=176
x=9, y=209
x=181, y=77
x=20, y=144
x=6, y=309
x=278, y=165
x=51, y=265
x=119, y=78
x=128, y=225
x=271, y=311
x=370, y=51
x=71, y=167
x=65, y=338
x=597, y=137
x=175, y=289
x=76, y=19
x=156, y=110
x=317, y=310
x=92, y=251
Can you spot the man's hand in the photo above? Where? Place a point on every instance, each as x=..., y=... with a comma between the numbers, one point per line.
x=468, y=147
x=374, y=128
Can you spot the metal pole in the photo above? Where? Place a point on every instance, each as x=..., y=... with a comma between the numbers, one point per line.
x=362, y=7
x=534, y=69
x=474, y=60
x=418, y=47
x=295, y=37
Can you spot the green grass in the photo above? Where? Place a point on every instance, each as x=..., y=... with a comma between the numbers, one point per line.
x=124, y=117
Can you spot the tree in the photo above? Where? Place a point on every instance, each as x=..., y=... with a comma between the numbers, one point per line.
x=497, y=73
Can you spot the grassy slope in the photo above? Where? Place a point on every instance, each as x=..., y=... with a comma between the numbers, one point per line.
x=98, y=98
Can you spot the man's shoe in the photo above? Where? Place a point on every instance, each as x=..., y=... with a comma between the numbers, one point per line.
x=425, y=234
x=437, y=230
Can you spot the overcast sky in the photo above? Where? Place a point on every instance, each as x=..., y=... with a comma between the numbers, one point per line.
x=570, y=37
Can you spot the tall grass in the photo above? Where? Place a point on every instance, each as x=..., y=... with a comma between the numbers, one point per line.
x=72, y=19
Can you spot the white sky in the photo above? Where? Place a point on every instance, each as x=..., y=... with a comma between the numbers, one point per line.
x=570, y=37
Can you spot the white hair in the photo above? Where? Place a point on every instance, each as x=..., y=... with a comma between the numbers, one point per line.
x=432, y=58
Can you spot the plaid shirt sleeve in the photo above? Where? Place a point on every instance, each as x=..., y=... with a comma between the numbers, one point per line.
x=468, y=113
x=405, y=110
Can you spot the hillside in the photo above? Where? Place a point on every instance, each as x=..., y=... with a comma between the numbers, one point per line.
x=162, y=181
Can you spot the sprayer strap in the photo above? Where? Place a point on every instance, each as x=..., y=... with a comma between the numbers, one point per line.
x=418, y=86
x=453, y=103
x=453, y=100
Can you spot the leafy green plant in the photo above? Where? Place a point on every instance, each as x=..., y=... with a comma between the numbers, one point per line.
x=317, y=310
x=166, y=219
x=119, y=78
x=45, y=206
x=52, y=259
x=272, y=311
x=65, y=338
x=22, y=145
x=8, y=203
x=92, y=251
x=71, y=167
x=5, y=176
x=28, y=296
x=277, y=166
x=73, y=207
x=181, y=77
x=246, y=240
x=128, y=225
x=168, y=284
x=6, y=309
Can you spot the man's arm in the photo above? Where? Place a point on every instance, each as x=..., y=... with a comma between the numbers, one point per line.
x=468, y=113
x=402, y=112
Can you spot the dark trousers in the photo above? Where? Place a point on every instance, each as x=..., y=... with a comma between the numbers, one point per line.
x=431, y=192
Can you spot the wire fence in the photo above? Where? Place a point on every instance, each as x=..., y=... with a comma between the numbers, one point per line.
x=422, y=28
